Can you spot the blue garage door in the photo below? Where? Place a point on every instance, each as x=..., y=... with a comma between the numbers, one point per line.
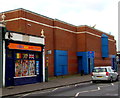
x=61, y=62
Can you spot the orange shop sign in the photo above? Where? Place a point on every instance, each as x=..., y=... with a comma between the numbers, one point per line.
x=24, y=47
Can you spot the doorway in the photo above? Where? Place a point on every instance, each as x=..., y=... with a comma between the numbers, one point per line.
x=89, y=65
x=80, y=65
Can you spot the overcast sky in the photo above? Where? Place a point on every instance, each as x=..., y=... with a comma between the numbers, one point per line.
x=103, y=13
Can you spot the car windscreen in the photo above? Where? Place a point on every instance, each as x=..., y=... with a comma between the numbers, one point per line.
x=99, y=70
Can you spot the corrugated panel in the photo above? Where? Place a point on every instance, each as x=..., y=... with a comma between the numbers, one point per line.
x=105, y=50
x=61, y=62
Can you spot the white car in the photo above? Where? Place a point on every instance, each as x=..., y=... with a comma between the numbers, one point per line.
x=104, y=73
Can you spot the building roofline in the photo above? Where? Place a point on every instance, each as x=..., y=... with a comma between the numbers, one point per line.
x=64, y=22
x=11, y=10
x=38, y=15
x=94, y=29
x=54, y=19
x=27, y=11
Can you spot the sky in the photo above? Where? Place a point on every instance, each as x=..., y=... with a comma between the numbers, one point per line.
x=102, y=13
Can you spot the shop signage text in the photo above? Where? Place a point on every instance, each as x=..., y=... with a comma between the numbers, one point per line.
x=24, y=47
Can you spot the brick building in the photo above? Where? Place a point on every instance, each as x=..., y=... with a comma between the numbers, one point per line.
x=69, y=49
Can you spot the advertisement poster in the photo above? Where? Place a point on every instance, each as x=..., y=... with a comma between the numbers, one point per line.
x=25, y=67
x=24, y=55
x=31, y=67
x=18, y=68
x=31, y=56
x=18, y=55
x=37, y=67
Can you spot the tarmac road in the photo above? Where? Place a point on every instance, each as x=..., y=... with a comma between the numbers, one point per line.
x=83, y=89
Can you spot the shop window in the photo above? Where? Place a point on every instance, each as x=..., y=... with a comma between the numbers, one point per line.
x=31, y=67
x=37, y=67
x=31, y=56
x=18, y=68
x=24, y=55
x=18, y=55
x=25, y=65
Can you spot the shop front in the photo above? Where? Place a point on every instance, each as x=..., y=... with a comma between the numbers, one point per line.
x=23, y=59
x=23, y=63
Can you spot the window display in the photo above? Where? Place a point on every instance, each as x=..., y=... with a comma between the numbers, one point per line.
x=25, y=65
x=37, y=67
x=18, y=68
x=25, y=55
x=31, y=67
x=31, y=56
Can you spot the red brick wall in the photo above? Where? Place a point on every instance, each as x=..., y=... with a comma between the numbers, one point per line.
x=81, y=42
x=64, y=25
x=58, y=39
x=93, y=43
x=65, y=40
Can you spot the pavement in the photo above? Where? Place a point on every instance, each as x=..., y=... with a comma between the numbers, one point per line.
x=53, y=82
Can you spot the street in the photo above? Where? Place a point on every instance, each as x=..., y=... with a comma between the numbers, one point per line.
x=83, y=89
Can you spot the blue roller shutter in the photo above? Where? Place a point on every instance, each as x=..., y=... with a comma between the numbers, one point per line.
x=105, y=48
x=61, y=62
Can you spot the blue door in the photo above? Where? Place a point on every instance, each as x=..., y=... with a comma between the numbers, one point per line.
x=80, y=67
x=90, y=65
x=113, y=64
x=9, y=70
x=61, y=62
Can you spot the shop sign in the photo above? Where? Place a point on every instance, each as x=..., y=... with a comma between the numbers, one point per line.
x=91, y=54
x=24, y=47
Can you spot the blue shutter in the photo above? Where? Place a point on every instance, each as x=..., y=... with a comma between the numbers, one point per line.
x=105, y=50
x=61, y=62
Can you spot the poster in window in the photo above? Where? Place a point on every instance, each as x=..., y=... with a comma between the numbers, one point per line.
x=24, y=55
x=25, y=64
x=31, y=67
x=31, y=56
x=37, y=67
x=18, y=55
x=18, y=68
